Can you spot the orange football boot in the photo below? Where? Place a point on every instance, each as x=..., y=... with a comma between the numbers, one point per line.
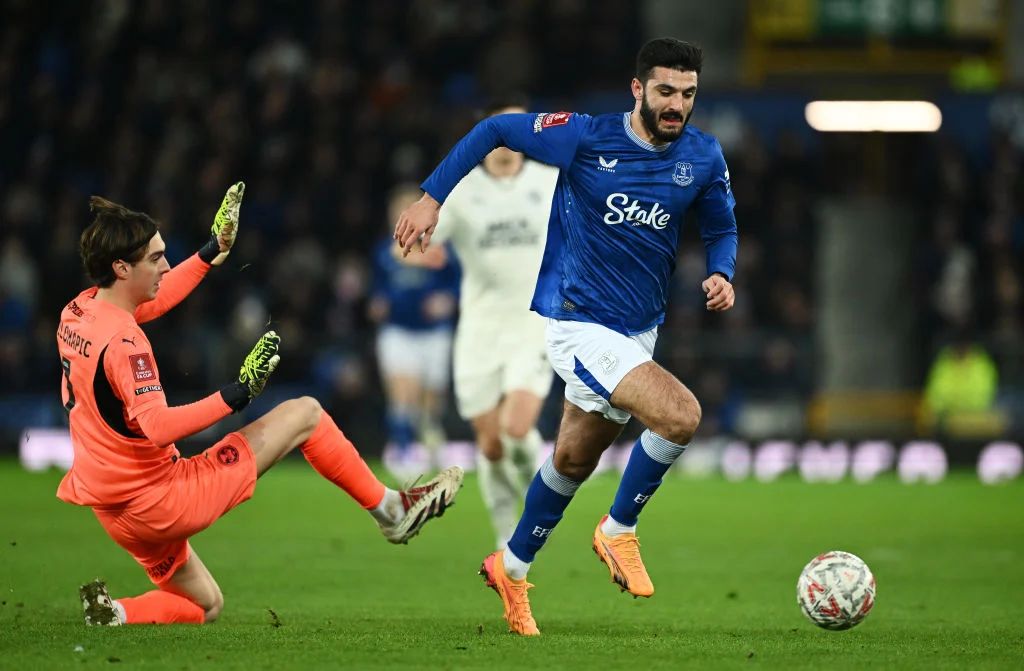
x=621, y=554
x=513, y=595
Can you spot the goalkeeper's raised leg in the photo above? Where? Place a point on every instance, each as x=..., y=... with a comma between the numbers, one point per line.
x=302, y=423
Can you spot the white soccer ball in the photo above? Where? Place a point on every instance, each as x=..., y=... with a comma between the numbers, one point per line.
x=836, y=590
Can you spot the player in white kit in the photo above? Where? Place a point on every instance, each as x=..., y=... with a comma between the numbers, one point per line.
x=496, y=222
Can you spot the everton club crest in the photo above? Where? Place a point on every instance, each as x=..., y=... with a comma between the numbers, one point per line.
x=683, y=176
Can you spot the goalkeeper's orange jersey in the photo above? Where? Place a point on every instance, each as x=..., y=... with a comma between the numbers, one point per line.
x=111, y=389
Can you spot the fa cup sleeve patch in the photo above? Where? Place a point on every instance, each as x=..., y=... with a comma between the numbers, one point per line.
x=548, y=120
x=556, y=119
x=142, y=367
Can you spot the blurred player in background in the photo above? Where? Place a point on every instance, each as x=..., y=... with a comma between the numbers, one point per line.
x=126, y=467
x=496, y=222
x=415, y=309
x=626, y=183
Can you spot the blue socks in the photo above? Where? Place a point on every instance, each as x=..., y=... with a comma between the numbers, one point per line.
x=650, y=459
x=546, y=499
x=401, y=431
x=550, y=492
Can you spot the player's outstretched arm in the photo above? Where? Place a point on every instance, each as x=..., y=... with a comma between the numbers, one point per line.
x=549, y=138
x=164, y=425
x=186, y=276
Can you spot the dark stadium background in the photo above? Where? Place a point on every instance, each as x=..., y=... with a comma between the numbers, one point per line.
x=861, y=256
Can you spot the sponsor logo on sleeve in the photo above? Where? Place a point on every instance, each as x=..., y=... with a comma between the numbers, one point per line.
x=142, y=367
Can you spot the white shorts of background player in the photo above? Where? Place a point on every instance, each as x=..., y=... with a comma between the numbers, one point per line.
x=494, y=357
x=424, y=355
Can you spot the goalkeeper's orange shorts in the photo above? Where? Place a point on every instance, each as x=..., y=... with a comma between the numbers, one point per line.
x=155, y=526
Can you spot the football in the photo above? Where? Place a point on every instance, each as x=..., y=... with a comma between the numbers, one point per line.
x=836, y=590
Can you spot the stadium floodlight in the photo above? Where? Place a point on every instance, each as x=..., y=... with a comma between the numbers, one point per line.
x=865, y=116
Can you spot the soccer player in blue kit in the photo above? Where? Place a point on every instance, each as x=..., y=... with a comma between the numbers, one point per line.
x=625, y=184
x=415, y=310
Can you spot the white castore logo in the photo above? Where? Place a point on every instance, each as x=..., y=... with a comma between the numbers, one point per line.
x=624, y=210
x=606, y=165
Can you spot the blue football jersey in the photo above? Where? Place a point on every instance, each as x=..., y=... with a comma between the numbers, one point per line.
x=617, y=211
x=406, y=288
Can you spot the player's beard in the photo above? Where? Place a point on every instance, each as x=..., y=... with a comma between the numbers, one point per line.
x=650, y=120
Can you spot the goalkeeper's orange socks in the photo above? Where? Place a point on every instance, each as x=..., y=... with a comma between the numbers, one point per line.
x=335, y=457
x=159, y=607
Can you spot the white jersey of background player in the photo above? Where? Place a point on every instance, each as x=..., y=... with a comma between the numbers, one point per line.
x=496, y=221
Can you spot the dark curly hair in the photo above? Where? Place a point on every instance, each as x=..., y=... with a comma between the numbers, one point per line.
x=668, y=52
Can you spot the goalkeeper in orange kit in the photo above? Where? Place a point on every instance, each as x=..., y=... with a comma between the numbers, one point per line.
x=147, y=497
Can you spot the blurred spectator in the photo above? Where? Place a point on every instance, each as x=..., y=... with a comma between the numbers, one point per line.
x=960, y=393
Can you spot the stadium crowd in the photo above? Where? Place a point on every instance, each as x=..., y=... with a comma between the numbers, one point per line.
x=160, y=106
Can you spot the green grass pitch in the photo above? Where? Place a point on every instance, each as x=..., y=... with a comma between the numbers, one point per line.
x=724, y=557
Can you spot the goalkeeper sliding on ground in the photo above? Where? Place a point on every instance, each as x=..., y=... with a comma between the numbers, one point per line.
x=147, y=497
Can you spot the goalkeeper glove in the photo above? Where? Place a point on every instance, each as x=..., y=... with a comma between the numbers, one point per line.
x=255, y=372
x=225, y=227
